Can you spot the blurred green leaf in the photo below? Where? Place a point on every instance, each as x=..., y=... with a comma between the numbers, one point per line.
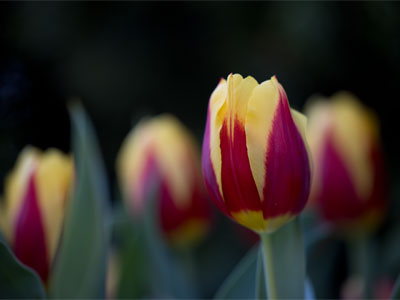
x=133, y=257
x=288, y=259
x=396, y=289
x=240, y=284
x=17, y=281
x=81, y=263
x=167, y=277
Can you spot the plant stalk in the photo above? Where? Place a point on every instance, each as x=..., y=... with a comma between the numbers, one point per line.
x=269, y=268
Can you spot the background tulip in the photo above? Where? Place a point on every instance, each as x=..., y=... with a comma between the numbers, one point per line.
x=162, y=149
x=255, y=158
x=32, y=212
x=349, y=186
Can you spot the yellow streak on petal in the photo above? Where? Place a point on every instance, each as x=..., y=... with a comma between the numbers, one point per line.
x=131, y=162
x=255, y=221
x=239, y=92
x=354, y=128
x=354, y=131
x=15, y=187
x=260, y=113
x=300, y=121
x=217, y=111
x=319, y=114
x=53, y=179
x=177, y=155
x=175, y=152
x=190, y=233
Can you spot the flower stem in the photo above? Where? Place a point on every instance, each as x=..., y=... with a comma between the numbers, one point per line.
x=269, y=268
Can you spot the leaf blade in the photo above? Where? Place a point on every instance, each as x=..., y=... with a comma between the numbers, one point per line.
x=80, y=266
x=14, y=275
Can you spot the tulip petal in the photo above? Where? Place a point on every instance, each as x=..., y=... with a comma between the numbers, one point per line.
x=336, y=196
x=239, y=189
x=287, y=181
x=208, y=170
x=216, y=114
x=29, y=239
x=354, y=129
x=15, y=186
x=53, y=178
x=184, y=225
x=260, y=113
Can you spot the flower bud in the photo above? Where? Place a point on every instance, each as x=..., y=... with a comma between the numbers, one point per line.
x=255, y=158
x=349, y=184
x=162, y=148
x=33, y=207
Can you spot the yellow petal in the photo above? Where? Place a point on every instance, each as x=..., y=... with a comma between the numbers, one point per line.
x=301, y=123
x=352, y=136
x=131, y=161
x=53, y=179
x=178, y=157
x=260, y=113
x=175, y=152
x=217, y=110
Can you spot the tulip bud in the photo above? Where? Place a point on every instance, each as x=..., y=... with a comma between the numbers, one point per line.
x=34, y=203
x=161, y=147
x=255, y=158
x=349, y=186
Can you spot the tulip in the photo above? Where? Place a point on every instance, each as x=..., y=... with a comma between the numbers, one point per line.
x=349, y=186
x=255, y=159
x=161, y=149
x=33, y=207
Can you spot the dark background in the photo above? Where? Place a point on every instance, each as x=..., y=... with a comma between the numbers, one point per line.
x=128, y=59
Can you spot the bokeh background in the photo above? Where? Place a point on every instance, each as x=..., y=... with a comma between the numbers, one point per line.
x=126, y=60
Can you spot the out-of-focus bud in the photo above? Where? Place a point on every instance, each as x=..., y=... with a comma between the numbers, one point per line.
x=162, y=148
x=255, y=159
x=33, y=207
x=349, y=183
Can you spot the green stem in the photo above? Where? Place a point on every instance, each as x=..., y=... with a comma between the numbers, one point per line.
x=269, y=268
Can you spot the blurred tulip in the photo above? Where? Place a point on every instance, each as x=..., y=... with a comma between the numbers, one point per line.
x=349, y=184
x=34, y=203
x=255, y=158
x=161, y=147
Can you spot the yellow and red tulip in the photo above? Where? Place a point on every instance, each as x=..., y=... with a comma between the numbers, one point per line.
x=33, y=207
x=349, y=186
x=255, y=159
x=162, y=148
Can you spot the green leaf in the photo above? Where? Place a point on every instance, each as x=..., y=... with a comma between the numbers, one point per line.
x=133, y=257
x=167, y=277
x=285, y=256
x=81, y=263
x=240, y=284
x=396, y=290
x=17, y=280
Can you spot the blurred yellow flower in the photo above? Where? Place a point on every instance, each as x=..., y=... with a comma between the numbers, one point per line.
x=33, y=207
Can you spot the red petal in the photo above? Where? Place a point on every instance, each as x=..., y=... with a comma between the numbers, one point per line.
x=29, y=241
x=208, y=172
x=238, y=186
x=287, y=181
